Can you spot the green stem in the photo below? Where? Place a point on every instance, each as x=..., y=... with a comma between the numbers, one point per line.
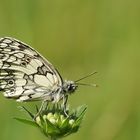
x=53, y=138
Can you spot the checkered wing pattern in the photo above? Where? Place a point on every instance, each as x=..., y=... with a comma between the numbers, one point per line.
x=25, y=75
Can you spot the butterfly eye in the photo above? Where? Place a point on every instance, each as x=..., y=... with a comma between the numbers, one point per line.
x=71, y=88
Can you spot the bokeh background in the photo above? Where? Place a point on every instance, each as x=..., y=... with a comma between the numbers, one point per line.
x=78, y=37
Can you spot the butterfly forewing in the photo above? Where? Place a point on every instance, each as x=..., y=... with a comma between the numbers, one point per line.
x=24, y=74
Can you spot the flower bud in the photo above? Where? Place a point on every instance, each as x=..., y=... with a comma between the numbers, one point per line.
x=38, y=121
x=53, y=122
x=71, y=122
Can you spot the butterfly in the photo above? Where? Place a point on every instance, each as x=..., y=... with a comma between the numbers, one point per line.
x=25, y=75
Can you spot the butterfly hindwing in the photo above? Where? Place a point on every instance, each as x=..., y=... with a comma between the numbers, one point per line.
x=24, y=73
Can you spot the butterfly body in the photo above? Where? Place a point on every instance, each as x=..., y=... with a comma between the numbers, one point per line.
x=25, y=75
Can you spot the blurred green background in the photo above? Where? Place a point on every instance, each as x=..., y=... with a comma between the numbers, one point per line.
x=78, y=37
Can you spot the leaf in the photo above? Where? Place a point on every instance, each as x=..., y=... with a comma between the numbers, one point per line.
x=30, y=114
x=26, y=122
x=80, y=111
x=51, y=127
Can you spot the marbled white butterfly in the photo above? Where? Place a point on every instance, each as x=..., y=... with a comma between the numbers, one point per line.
x=25, y=75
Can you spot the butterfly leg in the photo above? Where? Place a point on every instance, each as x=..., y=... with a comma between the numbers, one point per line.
x=65, y=99
x=41, y=108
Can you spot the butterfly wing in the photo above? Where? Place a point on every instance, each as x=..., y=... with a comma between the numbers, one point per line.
x=24, y=74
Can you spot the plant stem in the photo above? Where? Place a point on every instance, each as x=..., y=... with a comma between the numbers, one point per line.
x=53, y=138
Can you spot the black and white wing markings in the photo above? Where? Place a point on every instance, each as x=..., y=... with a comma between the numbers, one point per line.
x=24, y=73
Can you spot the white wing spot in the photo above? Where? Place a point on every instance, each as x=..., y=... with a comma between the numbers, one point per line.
x=22, y=98
x=42, y=80
x=11, y=59
x=19, y=55
x=20, y=82
x=3, y=45
x=50, y=77
x=7, y=41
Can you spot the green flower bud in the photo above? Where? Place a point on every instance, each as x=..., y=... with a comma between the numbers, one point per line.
x=38, y=121
x=54, y=123
x=49, y=115
x=71, y=122
x=44, y=117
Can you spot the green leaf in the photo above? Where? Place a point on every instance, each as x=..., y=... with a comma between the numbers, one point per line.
x=51, y=127
x=80, y=111
x=30, y=114
x=26, y=122
x=65, y=123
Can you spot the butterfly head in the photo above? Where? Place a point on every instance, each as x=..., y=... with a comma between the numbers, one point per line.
x=69, y=86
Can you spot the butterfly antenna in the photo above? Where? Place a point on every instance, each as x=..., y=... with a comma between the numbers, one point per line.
x=85, y=77
x=91, y=85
